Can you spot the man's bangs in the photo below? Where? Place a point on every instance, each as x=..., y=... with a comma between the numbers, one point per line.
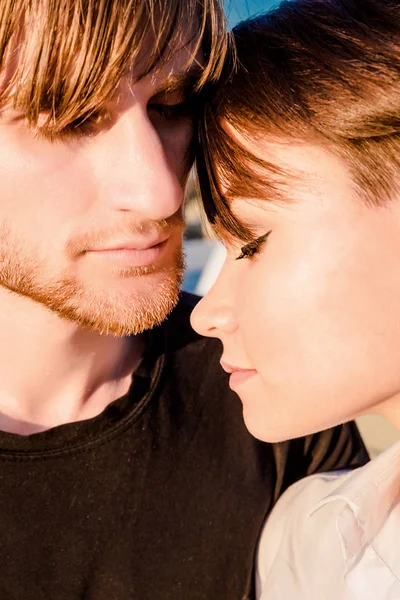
x=62, y=61
x=226, y=171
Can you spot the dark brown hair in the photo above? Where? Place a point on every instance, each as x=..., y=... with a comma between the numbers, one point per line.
x=320, y=71
x=62, y=59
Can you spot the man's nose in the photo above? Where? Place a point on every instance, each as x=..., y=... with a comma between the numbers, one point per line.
x=214, y=315
x=137, y=176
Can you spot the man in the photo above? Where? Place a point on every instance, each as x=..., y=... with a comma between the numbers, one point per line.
x=125, y=470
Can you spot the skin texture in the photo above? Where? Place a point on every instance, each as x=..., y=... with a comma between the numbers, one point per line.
x=60, y=202
x=89, y=193
x=315, y=314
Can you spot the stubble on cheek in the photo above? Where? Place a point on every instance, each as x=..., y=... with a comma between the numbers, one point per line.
x=101, y=307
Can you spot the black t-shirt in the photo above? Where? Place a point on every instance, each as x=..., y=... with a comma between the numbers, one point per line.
x=161, y=497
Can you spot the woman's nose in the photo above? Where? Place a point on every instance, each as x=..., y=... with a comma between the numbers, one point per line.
x=214, y=315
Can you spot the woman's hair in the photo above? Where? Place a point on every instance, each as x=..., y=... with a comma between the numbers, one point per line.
x=63, y=59
x=325, y=72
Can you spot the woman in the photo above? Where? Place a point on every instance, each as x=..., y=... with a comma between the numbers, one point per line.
x=300, y=175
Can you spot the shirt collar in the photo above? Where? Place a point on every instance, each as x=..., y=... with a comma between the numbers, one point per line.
x=368, y=494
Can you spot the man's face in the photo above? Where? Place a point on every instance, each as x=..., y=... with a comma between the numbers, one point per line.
x=313, y=318
x=91, y=224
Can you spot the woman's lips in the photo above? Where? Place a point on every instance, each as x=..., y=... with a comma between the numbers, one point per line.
x=237, y=378
x=237, y=375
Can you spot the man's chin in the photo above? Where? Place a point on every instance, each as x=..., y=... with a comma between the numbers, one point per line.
x=121, y=312
x=117, y=304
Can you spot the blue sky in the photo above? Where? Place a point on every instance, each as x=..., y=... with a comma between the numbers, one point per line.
x=241, y=9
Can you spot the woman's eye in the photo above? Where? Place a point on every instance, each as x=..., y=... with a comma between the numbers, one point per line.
x=249, y=250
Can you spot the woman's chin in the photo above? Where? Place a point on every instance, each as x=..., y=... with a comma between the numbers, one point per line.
x=271, y=430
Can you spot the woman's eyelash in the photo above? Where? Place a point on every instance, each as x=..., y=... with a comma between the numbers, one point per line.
x=252, y=248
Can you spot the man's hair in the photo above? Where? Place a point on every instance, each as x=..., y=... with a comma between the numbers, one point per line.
x=325, y=72
x=61, y=60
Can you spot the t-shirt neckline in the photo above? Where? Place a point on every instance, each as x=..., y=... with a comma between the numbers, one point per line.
x=115, y=417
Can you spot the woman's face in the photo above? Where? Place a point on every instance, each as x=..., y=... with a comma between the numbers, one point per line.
x=310, y=324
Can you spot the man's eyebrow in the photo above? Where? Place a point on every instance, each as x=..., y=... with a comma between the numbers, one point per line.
x=185, y=80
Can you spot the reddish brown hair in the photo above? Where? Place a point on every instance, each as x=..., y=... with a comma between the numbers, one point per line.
x=320, y=71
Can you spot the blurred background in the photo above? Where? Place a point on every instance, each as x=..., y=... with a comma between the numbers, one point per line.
x=205, y=256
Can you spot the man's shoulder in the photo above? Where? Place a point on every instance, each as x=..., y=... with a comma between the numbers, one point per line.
x=194, y=360
x=183, y=340
x=187, y=301
x=180, y=316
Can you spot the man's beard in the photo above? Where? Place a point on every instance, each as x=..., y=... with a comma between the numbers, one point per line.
x=102, y=310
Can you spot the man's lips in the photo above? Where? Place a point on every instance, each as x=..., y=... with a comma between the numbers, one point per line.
x=131, y=253
x=139, y=244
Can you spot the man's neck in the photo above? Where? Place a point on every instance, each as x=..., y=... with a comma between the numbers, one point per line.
x=54, y=372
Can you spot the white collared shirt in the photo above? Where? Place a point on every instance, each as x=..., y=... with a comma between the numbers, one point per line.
x=335, y=536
